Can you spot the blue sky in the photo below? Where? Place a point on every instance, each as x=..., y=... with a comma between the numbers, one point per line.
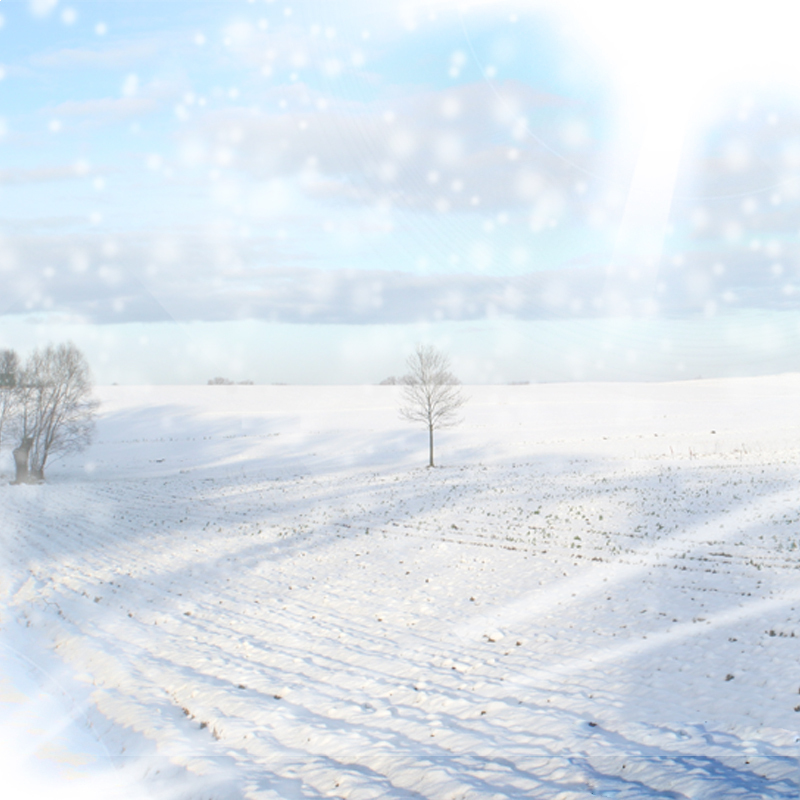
x=301, y=191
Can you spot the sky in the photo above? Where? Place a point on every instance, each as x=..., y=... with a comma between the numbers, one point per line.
x=300, y=192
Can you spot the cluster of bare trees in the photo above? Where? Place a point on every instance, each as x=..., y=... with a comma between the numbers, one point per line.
x=46, y=406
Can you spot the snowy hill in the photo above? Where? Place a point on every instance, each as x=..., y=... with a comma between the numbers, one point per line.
x=259, y=592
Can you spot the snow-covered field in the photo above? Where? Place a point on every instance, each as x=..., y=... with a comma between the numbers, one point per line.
x=260, y=592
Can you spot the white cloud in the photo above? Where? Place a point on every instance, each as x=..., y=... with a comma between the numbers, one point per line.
x=154, y=275
x=451, y=134
x=107, y=107
x=136, y=102
x=18, y=176
x=121, y=55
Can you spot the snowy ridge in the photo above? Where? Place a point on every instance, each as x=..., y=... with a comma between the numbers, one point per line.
x=257, y=593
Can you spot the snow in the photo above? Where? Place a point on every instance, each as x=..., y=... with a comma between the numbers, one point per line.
x=260, y=592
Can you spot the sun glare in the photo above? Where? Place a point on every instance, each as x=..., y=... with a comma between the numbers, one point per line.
x=667, y=67
x=702, y=42
x=668, y=61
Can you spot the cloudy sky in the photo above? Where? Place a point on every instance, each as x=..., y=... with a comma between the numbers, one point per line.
x=300, y=191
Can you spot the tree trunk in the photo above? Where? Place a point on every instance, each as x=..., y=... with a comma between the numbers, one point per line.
x=430, y=443
x=21, y=454
x=36, y=468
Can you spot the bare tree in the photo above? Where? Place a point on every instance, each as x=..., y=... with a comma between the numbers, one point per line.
x=55, y=409
x=431, y=393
